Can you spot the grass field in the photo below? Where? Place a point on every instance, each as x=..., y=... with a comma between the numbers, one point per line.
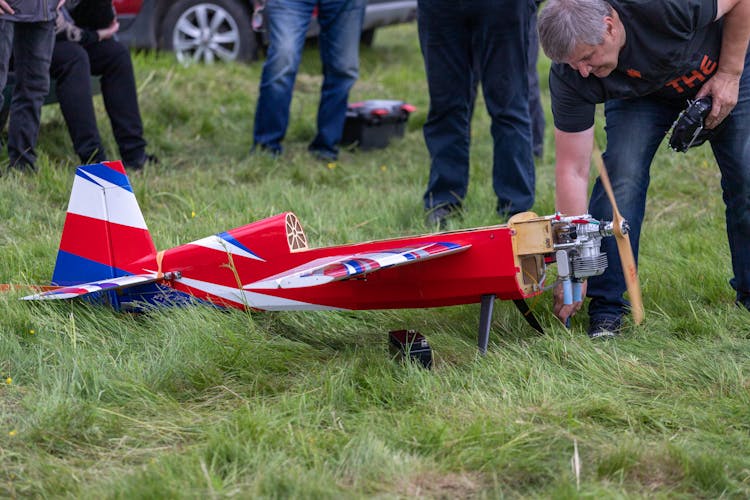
x=202, y=403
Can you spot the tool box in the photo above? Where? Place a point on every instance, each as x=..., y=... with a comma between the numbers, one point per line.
x=410, y=344
x=371, y=124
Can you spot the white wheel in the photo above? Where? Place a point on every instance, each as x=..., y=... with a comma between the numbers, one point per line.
x=208, y=31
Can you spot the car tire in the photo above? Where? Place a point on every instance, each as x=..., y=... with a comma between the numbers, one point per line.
x=208, y=31
x=367, y=37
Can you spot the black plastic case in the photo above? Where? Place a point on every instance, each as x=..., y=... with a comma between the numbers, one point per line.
x=371, y=124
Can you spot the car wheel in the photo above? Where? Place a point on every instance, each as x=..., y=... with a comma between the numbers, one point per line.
x=208, y=31
x=367, y=37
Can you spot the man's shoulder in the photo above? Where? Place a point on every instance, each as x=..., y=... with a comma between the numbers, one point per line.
x=678, y=17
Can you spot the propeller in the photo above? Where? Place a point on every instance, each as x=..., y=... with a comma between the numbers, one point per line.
x=621, y=229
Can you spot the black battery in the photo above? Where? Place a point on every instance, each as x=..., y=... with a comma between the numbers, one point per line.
x=371, y=124
x=410, y=344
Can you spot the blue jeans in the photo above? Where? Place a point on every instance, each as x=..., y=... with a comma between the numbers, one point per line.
x=288, y=21
x=32, y=51
x=635, y=129
x=493, y=35
x=536, y=110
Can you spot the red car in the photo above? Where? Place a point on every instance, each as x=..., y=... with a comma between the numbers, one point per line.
x=210, y=30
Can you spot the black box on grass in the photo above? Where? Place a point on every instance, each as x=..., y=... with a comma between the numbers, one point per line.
x=371, y=124
x=410, y=344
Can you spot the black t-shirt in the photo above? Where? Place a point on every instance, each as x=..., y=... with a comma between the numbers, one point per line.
x=672, y=47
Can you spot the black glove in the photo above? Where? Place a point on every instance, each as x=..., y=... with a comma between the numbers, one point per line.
x=687, y=130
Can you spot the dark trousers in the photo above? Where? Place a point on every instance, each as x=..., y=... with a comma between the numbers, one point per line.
x=635, y=130
x=457, y=39
x=536, y=110
x=340, y=26
x=71, y=67
x=32, y=49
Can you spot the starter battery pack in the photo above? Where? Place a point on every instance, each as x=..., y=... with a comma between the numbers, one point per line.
x=410, y=344
x=371, y=124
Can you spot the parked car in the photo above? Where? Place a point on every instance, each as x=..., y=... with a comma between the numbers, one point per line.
x=211, y=30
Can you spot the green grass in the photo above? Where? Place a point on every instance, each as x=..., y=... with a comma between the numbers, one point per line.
x=208, y=404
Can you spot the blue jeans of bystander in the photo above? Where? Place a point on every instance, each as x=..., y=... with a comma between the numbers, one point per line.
x=635, y=129
x=493, y=36
x=288, y=21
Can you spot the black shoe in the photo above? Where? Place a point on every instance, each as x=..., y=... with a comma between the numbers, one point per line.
x=22, y=166
x=438, y=216
x=138, y=165
x=606, y=327
x=323, y=155
x=259, y=148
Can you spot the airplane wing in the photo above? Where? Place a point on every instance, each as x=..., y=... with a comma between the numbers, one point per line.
x=108, y=285
x=350, y=266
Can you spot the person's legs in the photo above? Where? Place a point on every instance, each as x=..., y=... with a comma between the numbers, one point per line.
x=535, y=102
x=288, y=21
x=445, y=38
x=6, y=47
x=340, y=25
x=635, y=128
x=72, y=74
x=732, y=150
x=32, y=53
x=504, y=27
x=110, y=59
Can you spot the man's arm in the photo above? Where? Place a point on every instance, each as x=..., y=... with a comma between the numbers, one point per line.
x=724, y=85
x=573, y=162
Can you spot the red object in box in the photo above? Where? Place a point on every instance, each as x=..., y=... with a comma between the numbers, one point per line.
x=371, y=124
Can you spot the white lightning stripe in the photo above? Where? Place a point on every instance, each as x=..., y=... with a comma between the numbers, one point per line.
x=216, y=243
x=275, y=281
x=252, y=299
x=105, y=285
x=111, y=203
x=307, y=274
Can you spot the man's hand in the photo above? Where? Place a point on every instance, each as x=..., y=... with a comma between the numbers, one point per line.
x=5, y=8
x=564, y=311
x=107, y=32
x=724, y=89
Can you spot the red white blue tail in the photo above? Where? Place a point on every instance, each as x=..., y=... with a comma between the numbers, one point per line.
x=105, y=235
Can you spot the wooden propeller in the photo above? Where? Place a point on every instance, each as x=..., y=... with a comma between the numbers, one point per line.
x=623, y=244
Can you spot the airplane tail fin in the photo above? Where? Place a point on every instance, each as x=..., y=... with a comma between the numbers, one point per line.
x=105, y=234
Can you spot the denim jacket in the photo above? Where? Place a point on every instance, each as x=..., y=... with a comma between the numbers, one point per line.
x=31, y=11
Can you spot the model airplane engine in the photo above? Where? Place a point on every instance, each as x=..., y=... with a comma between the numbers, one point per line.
x=577, y=244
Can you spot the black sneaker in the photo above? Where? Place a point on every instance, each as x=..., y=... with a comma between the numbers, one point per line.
x=259, y=148
x=606, y=327
x=438, y=216
x=138, y=165
x=323, y=155
x=22, y=166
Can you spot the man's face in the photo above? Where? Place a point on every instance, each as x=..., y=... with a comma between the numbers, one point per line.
x=598, y=60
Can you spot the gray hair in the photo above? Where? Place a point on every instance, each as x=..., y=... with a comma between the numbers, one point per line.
x=563, y=24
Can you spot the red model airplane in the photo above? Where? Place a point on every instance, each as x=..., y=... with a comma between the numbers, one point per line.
x=106, y=252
